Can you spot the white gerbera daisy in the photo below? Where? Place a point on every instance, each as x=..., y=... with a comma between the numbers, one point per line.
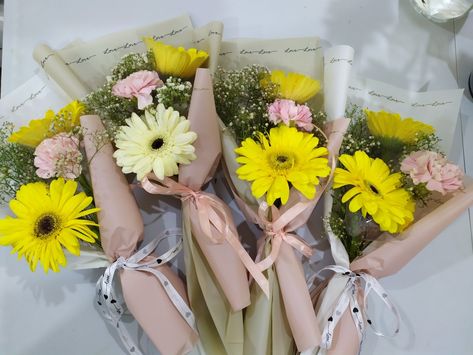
x=156, y=142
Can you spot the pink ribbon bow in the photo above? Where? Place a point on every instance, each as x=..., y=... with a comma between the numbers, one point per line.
x=212, y=211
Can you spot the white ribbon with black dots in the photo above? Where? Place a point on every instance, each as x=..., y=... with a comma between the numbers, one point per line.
x=113, y=308
x=349, y=300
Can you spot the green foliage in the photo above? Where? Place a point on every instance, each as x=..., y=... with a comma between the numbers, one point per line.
x=16, y=164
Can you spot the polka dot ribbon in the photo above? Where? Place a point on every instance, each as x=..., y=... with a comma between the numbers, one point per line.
x=112, y=307
x=349, y=300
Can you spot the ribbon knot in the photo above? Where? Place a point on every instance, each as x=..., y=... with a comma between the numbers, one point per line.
x=349, y=300
x=112, y=307
x=278, y=233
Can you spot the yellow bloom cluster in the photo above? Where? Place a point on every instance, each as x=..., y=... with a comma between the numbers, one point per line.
x=51, y=124
x=175, y=61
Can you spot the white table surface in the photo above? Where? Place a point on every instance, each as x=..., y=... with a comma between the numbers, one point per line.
x=54, y=314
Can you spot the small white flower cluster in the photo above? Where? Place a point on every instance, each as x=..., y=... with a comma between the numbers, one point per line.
x=175, y=93
x=242, y=101
x=352, y=144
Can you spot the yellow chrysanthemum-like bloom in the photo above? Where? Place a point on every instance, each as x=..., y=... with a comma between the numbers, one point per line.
x=175, y=61
x=294, y=86
x=51, y=124
x=286, y=156
x=391, y=125
x=375, y=191
x=48, y=219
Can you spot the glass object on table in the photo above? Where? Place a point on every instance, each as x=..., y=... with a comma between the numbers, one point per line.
x=442, y=10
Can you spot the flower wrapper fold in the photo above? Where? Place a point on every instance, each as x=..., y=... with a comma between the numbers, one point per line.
x=121, y=229
x=291, y=298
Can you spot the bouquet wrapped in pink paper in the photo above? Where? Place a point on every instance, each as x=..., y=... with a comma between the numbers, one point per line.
x=215, y=260
x=394, y=191
x=272, y=139
x=153, y=293
x=143, y=99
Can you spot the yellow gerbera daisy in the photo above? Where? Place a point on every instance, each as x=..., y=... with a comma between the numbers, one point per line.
x=158, y=142
x=48, y=218
x=175, y=61
x=286, y=156
x=391, y=125
x=375, y=191
x=295, y=86
x=51, y=124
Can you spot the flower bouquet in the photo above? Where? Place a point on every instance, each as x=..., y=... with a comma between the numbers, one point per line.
x=42, y=168
x=143, y=105
x=273, y=139
x=394, y=191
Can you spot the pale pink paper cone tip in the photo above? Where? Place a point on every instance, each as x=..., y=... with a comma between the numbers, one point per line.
x=121, y=225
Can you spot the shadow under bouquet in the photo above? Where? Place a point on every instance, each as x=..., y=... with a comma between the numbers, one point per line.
x=394, y=191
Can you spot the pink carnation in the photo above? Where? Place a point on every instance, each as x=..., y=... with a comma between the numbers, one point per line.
x=434, y=170
x=287, y=111
x=58, y=156
x=139, y=85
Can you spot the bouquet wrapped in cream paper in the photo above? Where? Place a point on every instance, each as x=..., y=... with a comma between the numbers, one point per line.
x=143, y=99
x=393, y=192
x=275, y=137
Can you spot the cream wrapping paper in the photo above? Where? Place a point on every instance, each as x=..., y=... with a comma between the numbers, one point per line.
x=389, y=254
x=92, y=61
x=262, y=334
x=121, y=229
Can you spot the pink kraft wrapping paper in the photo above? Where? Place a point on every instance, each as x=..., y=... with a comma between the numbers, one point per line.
x=222, y=257
x=121, y=229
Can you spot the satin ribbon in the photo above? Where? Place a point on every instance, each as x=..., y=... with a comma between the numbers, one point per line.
x=276, y=231
x=356, y=281
x=211, y=212
x=112, y=307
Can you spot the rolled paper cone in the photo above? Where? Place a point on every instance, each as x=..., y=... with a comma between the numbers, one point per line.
x=396, y=252
x=224, y=262
x=297, y=302
x=121, y=225
x=121, y=228
x=150, y=305
x=222, y=258
x=54, y=66
x=337, y=68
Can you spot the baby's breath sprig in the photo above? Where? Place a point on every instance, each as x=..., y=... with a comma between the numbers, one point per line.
x=242, y=101
x=16, y=164
x=131, y=63
x=176, y=93
x=358, y=136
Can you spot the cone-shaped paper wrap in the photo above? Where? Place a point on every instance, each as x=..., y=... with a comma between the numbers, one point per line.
x=222, y=258
x=121, y=229
x=216, y=275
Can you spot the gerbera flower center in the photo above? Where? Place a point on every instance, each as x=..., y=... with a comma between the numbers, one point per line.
x=157, y=143
x=46, y=225
x=373, y=188
x=281, y=161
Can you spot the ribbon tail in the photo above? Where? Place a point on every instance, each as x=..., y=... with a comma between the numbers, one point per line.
x=252, y=268
x=271, y=258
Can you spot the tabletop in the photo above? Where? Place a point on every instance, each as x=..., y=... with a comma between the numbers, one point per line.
x=46, y=314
